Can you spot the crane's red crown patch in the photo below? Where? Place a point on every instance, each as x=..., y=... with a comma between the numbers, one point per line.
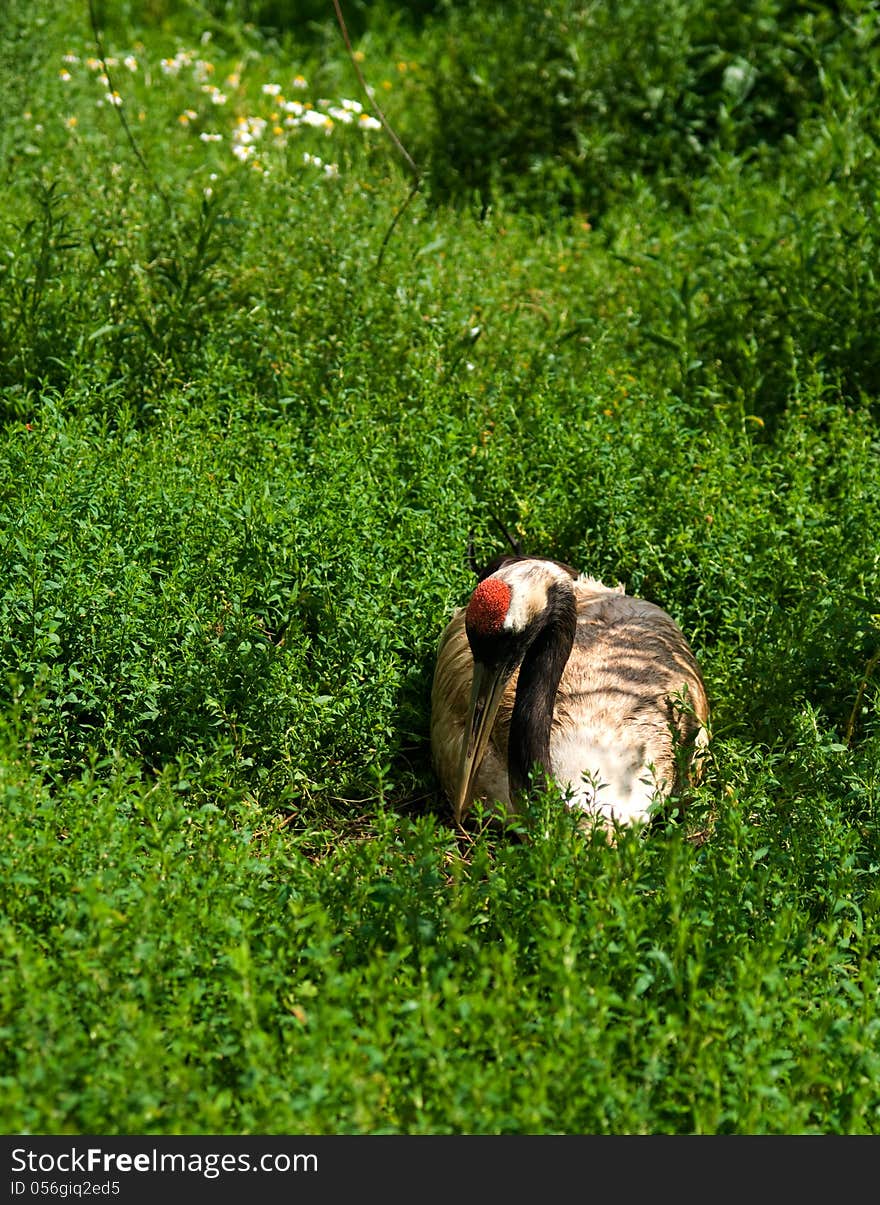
x=488, y=606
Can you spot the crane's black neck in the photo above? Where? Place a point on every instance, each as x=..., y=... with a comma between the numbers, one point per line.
x=539, y=675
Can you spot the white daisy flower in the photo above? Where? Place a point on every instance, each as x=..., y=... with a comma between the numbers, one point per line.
x=312, y=118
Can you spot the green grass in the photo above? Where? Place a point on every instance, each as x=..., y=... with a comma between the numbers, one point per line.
x=245, y=435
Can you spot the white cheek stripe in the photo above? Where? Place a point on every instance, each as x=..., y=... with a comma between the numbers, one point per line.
x=528, y=582
x=522, y=607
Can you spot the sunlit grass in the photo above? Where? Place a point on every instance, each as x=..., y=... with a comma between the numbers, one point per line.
x=241, y=460
x=229, y=107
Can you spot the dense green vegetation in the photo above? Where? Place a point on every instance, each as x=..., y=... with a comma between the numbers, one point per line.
x=247, y=426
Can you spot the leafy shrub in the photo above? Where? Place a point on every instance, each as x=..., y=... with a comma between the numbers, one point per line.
x=788, y=285
x=566, y=104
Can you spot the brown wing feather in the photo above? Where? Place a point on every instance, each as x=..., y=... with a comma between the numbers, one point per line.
x=632, y=673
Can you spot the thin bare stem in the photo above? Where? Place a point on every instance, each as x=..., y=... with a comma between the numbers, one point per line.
x=386, y=126
x=393, y=225
x=145, y=167
x=860, y=694
x=368, y=92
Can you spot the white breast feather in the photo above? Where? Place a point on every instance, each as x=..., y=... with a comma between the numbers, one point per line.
x=600, y=779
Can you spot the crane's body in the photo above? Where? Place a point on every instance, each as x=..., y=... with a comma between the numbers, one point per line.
x=552, y=669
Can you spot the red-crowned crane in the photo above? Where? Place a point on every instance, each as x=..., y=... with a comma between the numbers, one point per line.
x=550, y=671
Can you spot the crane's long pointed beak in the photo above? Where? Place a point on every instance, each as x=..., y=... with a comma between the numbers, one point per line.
x=487, y=692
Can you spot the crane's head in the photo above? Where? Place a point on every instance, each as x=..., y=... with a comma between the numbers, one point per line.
x=506, y=613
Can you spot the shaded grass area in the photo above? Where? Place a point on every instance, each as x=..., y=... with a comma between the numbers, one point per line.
x=239, y=468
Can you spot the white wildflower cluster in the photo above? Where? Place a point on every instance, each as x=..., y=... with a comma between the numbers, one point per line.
x=329, y=169
x=100, y=67
x=351, y=112
x=217, y=95
x=280, y=112
x=246, y=133
x=183, y=58
x=320, y=121
x=291, y=117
